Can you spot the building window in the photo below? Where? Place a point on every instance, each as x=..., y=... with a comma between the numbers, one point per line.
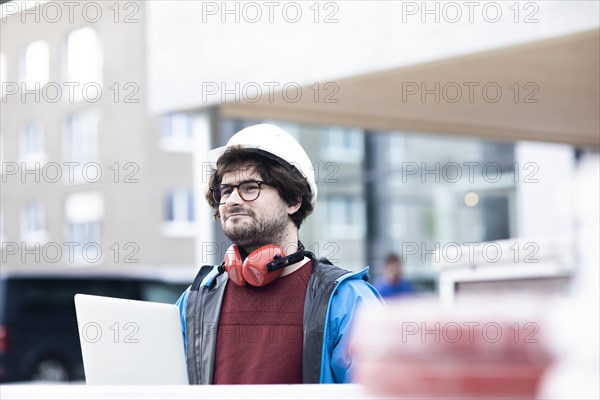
x=32, y=144
x=179, y=213
x=84, y=243
x=344, y=145
x=177, y=133
x=398, y=221
x=35, y=69
x=84, y=61
x=396, y=151
x=83, y=217
x=81, y=145
x=33, y=223
x=345, y=217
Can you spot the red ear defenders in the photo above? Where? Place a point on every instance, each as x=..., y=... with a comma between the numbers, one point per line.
x=260, y=267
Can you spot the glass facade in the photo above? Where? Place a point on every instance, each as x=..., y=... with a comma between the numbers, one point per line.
x=410, y=193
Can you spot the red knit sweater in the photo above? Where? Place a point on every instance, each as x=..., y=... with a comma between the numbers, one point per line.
x=260, y=333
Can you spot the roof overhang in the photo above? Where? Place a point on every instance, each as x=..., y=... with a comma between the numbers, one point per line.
x=550, y=91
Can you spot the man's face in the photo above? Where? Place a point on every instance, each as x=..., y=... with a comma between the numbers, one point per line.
x=251, y=224
x=393, y=271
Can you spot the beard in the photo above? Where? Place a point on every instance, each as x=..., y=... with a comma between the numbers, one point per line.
x=252, y=233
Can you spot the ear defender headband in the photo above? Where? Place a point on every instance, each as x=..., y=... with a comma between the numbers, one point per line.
x=259, y=268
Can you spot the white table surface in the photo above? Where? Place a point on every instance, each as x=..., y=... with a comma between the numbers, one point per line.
x=81, y=391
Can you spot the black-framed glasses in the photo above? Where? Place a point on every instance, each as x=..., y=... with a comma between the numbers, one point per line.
x=247, y=190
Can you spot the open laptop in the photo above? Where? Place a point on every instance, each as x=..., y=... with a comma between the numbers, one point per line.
x=130, y=342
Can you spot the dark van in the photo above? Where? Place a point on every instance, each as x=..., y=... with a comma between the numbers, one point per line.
x=39, y=337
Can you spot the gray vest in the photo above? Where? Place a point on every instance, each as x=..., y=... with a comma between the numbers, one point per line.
x=204, y=308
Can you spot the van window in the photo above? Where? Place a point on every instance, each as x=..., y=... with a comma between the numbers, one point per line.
x=2, y=296
x=43, y=296
x=162, y=292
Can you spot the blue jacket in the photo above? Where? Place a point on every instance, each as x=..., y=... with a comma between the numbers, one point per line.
x=342, y=292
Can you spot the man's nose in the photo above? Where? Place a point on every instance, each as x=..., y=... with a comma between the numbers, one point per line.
x=234, y=198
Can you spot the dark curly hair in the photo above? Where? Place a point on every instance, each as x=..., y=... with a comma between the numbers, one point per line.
x=290, y=184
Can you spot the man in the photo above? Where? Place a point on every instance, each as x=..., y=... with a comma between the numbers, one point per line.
x=271, y=312
x=393, y=284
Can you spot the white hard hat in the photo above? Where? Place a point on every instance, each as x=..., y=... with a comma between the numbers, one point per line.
x=273, y=140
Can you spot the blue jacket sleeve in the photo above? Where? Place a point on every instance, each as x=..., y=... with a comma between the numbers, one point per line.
x=346, y=300
x=181, y=303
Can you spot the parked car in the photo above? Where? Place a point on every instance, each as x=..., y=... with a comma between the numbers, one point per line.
x=39, y=338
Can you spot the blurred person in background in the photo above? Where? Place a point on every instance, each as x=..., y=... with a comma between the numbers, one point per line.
x=271, y=312
x=392, y=283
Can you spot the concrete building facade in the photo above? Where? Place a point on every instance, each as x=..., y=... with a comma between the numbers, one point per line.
x=88, y=175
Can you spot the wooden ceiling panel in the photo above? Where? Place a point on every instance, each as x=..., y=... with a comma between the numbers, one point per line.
x=557, y=100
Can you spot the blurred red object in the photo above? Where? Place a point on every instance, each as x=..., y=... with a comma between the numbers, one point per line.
x=482, y=348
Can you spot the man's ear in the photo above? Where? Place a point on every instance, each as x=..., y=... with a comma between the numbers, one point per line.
x=293, y=208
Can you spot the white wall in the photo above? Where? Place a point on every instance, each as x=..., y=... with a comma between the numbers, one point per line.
x=545, y=189
x=188, y=44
